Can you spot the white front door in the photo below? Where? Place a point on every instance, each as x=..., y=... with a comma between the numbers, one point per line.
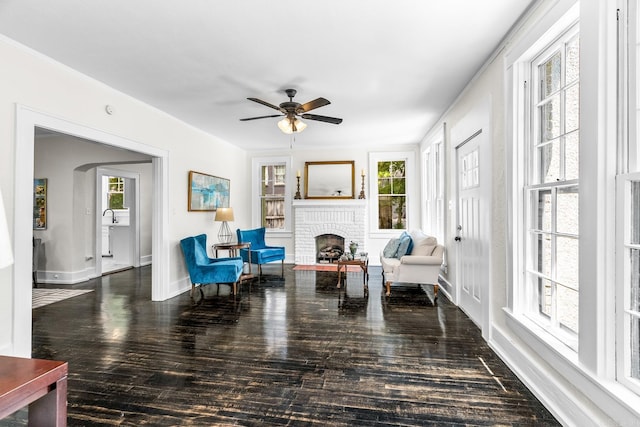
x=471, y=238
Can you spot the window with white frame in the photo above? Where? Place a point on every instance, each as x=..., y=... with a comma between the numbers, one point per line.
x=433, y=174
x=551, y=189
x=114, y=192
x=272, y=206
x=389, y=188
x=628, y=215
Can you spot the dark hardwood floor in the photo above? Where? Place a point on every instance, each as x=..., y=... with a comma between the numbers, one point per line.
x=295, y=352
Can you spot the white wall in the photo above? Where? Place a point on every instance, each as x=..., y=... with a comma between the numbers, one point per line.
x=374, y=241
x=34, y=81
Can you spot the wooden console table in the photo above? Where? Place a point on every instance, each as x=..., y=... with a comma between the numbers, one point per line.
x=41, y=384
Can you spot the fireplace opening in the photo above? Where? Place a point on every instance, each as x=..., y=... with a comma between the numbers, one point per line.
x=329, y=248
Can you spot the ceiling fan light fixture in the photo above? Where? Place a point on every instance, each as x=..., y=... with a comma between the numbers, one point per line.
x=290, y=126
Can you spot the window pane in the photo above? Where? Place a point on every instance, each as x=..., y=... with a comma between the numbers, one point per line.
x=573, y=60
x=550, y=75
x=544, y=255
x=635, y=346
x=272, y=190
x=572, y=108
x=384, y=186
x=567, y=211
x=399, y=214
x=567, y=308
x=567, y=261
x=545, y=296
x=398, y=186
x=571, y=155
x=550, y=119
x=634, y=265
x=549, y=155
x=544, y=210
x=385, y=213
x=635, y=213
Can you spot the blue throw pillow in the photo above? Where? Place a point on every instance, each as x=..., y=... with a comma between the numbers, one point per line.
x=410, y=247
x=391, y=249
x=405, y=243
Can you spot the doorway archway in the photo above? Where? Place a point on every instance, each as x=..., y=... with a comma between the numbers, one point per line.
x=26, y=122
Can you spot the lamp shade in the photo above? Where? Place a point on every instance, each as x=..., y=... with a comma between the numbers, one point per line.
x=6, y=257
x=224, y=214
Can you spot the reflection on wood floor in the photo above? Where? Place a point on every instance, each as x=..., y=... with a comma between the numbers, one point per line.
x=294, y=352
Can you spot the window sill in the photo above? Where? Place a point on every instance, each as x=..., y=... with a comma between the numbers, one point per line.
x=279, y=233
x=566, y=363
x=545, y=344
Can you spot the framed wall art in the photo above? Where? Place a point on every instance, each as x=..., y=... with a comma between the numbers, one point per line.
x=40, y=204
x=329, y=180
x=207, y=192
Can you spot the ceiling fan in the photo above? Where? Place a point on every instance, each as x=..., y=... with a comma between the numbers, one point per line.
x=292, y=110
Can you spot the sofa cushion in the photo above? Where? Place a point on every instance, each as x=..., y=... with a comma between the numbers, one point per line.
x=406, y=245
x=422, y=244
x=391, y=249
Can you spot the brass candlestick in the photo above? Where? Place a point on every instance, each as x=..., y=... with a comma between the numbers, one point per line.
x=298, y=195
x=361, y=196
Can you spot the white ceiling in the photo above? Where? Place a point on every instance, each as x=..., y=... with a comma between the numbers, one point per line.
x=389, y=68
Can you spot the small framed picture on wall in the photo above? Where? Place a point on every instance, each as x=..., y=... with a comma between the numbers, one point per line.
x=40, y=204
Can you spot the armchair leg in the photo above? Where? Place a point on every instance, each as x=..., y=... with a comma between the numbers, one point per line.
x=388, y=285
x=282, y=273
x=436, y=287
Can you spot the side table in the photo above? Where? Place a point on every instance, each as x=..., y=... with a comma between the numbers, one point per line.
x=363, y=262
x=232, y=249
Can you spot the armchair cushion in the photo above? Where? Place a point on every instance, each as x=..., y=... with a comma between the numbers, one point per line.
x=422, y=244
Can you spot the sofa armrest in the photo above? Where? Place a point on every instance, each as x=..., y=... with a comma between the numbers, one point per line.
x=421, y=260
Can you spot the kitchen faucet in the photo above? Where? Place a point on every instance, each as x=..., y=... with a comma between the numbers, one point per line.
x=113, y=215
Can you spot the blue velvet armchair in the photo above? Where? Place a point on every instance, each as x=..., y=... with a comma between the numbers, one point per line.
x=204, y=270
x=260, y=252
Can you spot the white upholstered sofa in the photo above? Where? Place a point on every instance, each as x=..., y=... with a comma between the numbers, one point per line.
x=417, y=259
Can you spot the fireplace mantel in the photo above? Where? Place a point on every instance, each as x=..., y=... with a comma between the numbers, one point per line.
x=305, y=203
x=344, y=217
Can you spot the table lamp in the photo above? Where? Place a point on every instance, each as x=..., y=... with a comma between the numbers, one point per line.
x=6, y=257
x=224, y=215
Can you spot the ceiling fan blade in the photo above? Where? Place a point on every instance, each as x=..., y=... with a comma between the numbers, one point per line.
x=265, y=103
x=326, y=119
x=312, y=105
x=261, y=117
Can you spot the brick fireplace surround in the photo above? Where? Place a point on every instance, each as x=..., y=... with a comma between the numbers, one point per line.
x=346, y=218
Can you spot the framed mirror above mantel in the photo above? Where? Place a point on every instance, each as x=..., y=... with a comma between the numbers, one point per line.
x=333, y=179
